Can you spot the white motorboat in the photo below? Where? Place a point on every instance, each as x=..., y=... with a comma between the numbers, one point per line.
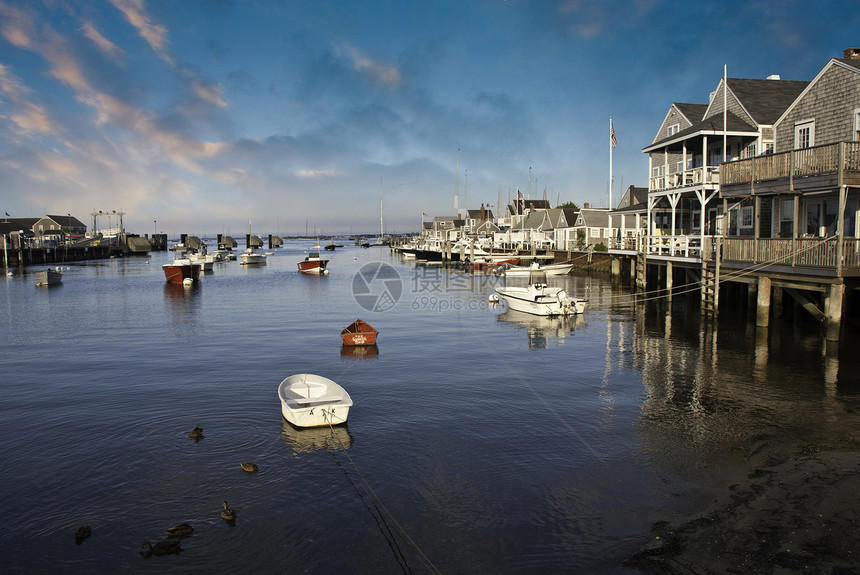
x=313, y=264
x=539, y=299
x=252, y=257
x=548, y=269
x=309, y=400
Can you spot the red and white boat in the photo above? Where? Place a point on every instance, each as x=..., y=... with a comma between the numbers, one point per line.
x=181, y=270
x=359, y=333
x=313, y=264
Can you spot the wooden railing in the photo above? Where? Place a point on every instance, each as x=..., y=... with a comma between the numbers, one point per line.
x=816, y=253
x=796, y=163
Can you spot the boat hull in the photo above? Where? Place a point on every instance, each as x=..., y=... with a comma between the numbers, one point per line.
x=313, y=267
x=253, y=259
x=176, y=273
x=538, y=302
x=309, y=400
x=359, y=333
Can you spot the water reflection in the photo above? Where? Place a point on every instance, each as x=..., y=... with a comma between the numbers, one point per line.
x=305, y=440
x=359, y=351
x=183, y=302
x=541, y=329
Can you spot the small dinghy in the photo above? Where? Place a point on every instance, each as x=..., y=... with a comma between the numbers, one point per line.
x=359, y=333
x=309, y=400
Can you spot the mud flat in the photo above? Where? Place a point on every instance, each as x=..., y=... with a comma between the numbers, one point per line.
x=792, y=514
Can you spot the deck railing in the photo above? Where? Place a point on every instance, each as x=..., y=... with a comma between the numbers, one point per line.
x=817, y=160
x=814, y=253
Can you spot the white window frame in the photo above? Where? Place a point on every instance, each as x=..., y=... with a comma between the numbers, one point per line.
x=857, y=124
x=745, y=217
x=595, y=232
x=804, y=134
x=674, y=129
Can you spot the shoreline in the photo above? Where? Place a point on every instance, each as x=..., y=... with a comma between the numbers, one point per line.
x=789, y=515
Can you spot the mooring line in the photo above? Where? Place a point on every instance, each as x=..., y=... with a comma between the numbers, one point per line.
x=380, y=507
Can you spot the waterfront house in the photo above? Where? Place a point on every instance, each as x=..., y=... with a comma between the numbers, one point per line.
x=766, y=185
x=65, y=227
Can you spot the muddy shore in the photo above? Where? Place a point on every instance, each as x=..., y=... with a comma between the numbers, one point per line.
x=796, y=513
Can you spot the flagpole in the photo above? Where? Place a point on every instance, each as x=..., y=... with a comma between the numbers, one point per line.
x=610, y=162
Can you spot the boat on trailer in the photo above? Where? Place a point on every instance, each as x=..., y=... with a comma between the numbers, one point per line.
x=309, y=400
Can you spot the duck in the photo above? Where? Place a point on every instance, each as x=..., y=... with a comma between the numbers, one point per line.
x=196, y=433
x=160, y=548
x=227, y=513
x=181, y=530
x=249, y=467
x=82, y=533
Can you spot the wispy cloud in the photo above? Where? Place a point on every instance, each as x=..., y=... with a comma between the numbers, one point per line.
x=106, y=46
x=26, y=116
x=383, y=73
x=16, y=26
x=154, y=34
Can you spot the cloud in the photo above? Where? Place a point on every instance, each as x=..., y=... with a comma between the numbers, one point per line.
x=154, y=34
x=106, y=46
x=385, y=74
x=28, y=117
x=16, y=26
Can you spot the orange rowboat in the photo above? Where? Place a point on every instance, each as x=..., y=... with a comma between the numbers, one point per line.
x=359, y=333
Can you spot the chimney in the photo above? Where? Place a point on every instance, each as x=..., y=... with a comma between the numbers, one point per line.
x=851, y=53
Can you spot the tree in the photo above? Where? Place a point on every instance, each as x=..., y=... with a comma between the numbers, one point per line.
x=568, y=205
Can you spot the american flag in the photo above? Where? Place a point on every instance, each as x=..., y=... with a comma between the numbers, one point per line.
x=519, y=195
x=612, y=134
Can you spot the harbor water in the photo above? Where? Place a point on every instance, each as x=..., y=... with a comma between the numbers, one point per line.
x=481, y=440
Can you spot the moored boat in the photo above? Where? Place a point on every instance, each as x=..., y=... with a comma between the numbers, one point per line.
x=539, y=299
x=309, y=400
x=548, y=269
x=181, y=269
x=359, y=332
x=313, y=264
x=252, y=257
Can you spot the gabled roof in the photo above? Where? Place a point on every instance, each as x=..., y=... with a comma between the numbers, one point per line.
x=712, y=125
x=763, y=100
x=692, y=112
x=593, y=218
x=850, y=64
x=534, y=221
x=634, y=200
x=66, y=220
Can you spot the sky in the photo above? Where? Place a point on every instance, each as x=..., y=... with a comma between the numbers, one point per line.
x=281, y=116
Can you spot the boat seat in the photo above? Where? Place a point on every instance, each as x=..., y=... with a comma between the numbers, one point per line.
x=304, y=402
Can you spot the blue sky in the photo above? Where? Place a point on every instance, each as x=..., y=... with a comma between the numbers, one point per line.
x=206, y=116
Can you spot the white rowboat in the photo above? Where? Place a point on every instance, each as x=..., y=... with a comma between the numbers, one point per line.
x=309, y=400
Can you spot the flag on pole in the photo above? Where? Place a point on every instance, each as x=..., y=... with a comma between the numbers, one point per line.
x=612, y=134
x=519, y=195
x=7, y=215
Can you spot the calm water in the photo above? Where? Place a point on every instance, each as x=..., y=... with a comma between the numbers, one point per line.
x=480, y=442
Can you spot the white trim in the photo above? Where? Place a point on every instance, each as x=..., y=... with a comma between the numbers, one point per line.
x=799, y=128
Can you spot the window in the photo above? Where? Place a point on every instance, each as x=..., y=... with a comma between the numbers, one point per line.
x=674, y=129
x=857, y=125
x=746, y=217
x=804, y=134
x=786, y=218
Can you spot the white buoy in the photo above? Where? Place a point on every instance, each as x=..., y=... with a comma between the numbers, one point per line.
x=494, y=298
x=187, y=282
